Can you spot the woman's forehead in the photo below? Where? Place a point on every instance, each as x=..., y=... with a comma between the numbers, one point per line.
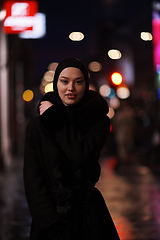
x=71, y=71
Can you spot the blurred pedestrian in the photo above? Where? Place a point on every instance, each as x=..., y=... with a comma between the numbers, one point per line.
x=61, y=166
x=124, y=133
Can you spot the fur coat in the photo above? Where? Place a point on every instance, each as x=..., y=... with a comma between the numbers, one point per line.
x=62, y=149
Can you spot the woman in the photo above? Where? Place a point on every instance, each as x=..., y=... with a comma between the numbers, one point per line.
x=61, y=160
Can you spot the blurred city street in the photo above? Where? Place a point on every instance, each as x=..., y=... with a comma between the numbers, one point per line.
x=116, y=40
x=132, y=195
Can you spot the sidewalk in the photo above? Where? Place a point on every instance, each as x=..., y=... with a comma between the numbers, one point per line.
x=14, y=214
x=132, y=196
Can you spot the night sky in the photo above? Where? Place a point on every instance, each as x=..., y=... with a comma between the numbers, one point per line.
x=98, y=20
x=105, y=24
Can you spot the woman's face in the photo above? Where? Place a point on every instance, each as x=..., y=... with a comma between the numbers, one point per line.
x=71, y=85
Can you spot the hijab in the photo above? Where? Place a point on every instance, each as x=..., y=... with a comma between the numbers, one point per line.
x=70, y=62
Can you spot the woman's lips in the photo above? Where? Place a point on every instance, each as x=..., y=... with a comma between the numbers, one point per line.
x=71, y=96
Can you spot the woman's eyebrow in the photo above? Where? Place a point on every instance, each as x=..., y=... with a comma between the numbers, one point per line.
x=79, y=78
x=64, y=77
x=68, y=78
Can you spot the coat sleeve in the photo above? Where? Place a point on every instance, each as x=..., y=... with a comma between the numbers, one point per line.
x=83, y=148
x=40, y=202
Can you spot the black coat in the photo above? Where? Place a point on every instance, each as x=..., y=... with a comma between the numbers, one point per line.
x=61, y=168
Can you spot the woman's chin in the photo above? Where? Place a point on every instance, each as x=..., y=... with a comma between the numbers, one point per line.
x=70, y=102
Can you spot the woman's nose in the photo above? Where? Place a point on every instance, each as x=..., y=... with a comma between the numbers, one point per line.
x=71, y=86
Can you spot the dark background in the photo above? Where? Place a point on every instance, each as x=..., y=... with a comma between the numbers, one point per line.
x=106, y=24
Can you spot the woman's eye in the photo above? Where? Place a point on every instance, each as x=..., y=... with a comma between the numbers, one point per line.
x=79, y=82
x=64, y=81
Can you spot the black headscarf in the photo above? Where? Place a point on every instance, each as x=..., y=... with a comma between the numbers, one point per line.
x=70, y=62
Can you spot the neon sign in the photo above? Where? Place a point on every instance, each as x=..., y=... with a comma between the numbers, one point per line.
x=19, y=16
x=39, y=28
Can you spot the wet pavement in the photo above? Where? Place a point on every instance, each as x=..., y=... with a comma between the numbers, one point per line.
x=132, y=194
x=14, y=215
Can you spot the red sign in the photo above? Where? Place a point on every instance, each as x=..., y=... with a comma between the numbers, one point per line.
x=19, y=16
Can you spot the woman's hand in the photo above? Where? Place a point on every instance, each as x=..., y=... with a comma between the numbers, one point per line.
x=44, y=105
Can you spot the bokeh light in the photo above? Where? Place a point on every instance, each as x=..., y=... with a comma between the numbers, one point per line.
x=114, y=54
x=95, y=66
x=116, y=78
x=76, y=36
x=146, y=36
x=43, y=82
x=2, y=14
x=111, y=113
x=114, y=103
x=112, y=93
x=52, y=66
x=28, y=95
x=123, y=92
x=38, y=30
x=49, y=87
x=104, y=90
x=48, y=76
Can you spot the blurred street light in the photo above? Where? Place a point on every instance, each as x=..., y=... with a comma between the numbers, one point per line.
x=2, y=14
x=28, y=95
x=76, y=36
x=48, y=76
x=112, y=93
x=123, y=92
x=116, y=78
x=49, y=87
x=114, y=54
x=95, y=66
x=105, y=90
x=114, y=103
x=146, y=36
x=52, y=66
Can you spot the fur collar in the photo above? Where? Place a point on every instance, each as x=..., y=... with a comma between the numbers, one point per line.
x=92, y=99
x=87, y=112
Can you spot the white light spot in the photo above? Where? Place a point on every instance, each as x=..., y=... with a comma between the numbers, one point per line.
x=114, y=54
x=2, y=14
x=146, y=36
x=76, y=36
x=39, y=27
x=49, y=87
x=52, y=66
x=123, y=92
x=114, y=103
x=104, y=90
x=48, y=76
